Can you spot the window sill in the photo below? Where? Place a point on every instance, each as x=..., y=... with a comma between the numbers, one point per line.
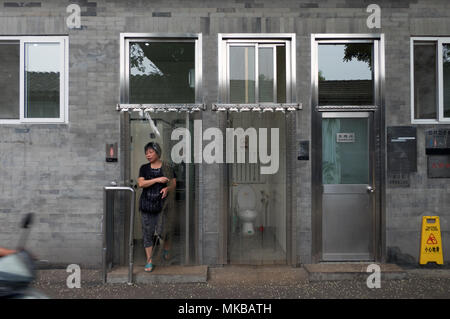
x=425, y=122
x=18, y=122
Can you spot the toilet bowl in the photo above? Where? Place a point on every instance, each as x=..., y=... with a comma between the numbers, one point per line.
x=247, y=213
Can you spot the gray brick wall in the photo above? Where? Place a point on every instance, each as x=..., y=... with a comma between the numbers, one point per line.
x=57, y=171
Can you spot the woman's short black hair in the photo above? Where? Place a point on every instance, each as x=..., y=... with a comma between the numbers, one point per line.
x=154, y=146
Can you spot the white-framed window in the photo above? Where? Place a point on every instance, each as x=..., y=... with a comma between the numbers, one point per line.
x=257, y=68
x=34, y=79
x=430, y=80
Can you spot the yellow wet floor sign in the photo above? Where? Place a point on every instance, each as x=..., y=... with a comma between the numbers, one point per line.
x=431, y=243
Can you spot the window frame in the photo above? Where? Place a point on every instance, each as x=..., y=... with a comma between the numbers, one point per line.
x=63, y=41
x=126, y=38
x=256, y=46
x=439, y=41
x=257, y=40
x=377, y=42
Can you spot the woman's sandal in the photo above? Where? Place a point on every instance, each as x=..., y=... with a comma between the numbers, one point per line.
x=149, y=267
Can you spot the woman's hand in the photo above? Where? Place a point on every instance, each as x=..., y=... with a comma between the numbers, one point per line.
x=164, y=192
x=162, y=180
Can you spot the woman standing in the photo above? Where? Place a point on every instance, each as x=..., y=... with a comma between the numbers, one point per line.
x=156, y=179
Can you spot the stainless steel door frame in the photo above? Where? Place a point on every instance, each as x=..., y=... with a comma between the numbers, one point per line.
x=224, y=39
x=291, y=257
x=339, y=202
x=191, y=234
x=379, y=138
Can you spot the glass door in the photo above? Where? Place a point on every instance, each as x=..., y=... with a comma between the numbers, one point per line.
x=347, y=81
x=256, y=71
x=179, y=226
x=348, y=186
x=257, y=231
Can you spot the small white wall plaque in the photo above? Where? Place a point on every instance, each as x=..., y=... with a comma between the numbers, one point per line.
x=345, y=137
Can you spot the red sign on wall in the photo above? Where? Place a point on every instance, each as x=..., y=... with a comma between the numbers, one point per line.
x=439, y=166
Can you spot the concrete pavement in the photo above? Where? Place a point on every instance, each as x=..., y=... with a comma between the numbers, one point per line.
x=252, y=282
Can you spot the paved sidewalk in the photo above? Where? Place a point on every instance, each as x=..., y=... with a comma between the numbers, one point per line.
x=251, y=282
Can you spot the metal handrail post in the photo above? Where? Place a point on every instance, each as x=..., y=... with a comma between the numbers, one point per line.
x=104, y=239
x=130, y=243
x=131, y=240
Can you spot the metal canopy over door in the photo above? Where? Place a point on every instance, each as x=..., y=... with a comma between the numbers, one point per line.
x=347, y=180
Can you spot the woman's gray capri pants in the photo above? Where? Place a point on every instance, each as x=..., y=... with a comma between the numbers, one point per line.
x=151, y=222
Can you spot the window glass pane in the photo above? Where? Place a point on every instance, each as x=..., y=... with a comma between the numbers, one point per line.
x=162, y=72
x=9, y=79
x=42, y=80
x=242, y=74
x=281, y=74
x=345, y=74
x=446, y=58
x=265, y=69
x=425, y=85
x=345, y=151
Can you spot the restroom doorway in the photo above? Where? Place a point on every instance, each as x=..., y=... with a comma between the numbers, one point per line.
x=179, y=224
x=347, y=156
x=257, y=232
x=160, y=78
x=348, y=186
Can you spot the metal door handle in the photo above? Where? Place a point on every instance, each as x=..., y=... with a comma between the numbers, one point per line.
x=370, y=189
